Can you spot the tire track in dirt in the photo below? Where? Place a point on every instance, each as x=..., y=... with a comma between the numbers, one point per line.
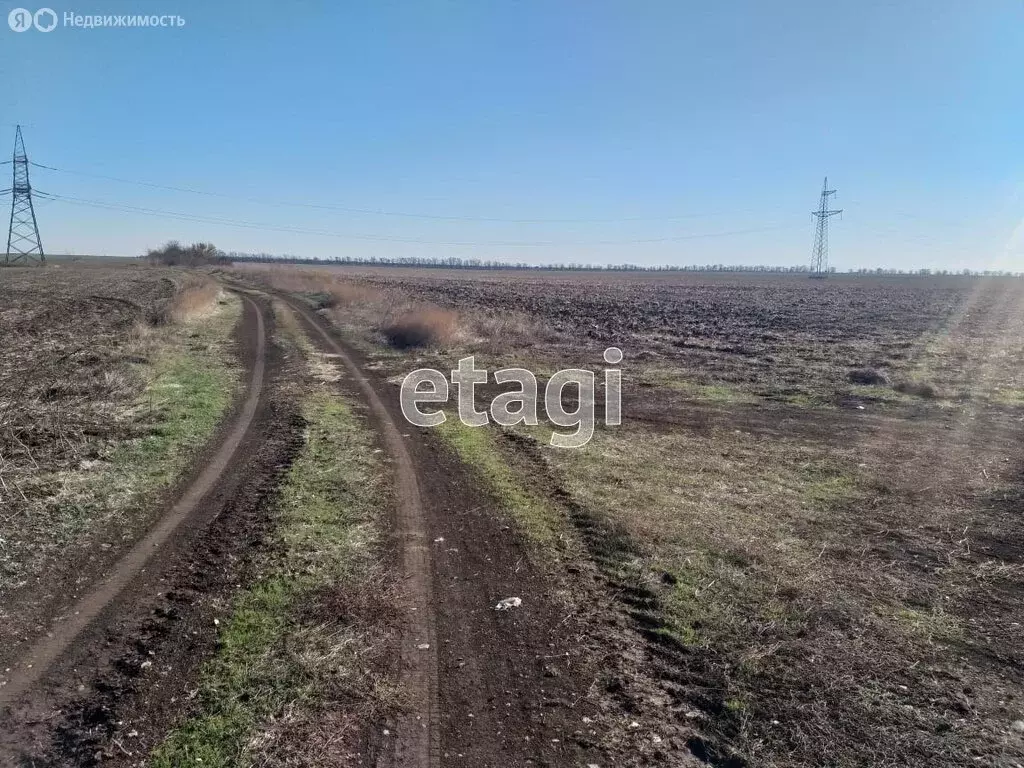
x=38, y=659
x=416, y=741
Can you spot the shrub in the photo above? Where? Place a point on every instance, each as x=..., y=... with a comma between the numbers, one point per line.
x=916, y=388
x=869, y=376
x=422, y=327
x=191, y=298
x=322, y=300
x=173, y=254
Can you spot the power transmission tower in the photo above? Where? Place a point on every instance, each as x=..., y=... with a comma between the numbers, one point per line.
x=819, y=259
x=23, y=243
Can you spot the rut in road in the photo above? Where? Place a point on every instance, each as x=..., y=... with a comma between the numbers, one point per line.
x=416, y=741
x=34, y=663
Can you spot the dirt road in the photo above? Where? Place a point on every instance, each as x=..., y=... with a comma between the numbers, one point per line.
x=481, y=687
x=417, y=735
x=79, y=664
x=493, y=688
x=36, y=662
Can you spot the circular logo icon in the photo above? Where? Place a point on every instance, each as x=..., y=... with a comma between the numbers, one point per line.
x=45, y=19
x=20, y=19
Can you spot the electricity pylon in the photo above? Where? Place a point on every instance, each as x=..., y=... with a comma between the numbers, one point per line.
x=819, y=258
x=23, y=243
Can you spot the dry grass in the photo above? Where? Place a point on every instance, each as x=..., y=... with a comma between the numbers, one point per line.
x=391, y=316
x=387, y=316
x=80, y=384
x=66, y=376
x=423, y=327
x=195, y=296
x=498, y=333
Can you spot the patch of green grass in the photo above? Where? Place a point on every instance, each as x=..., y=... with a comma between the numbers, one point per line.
x=879, y=394
x=931, y=625
x=718, y=392
x=319, y=299
x=718, y=513
x=711, y=594
x=804, y=400
x=683, y=610
x=477, y=447
x=268, y=661
x=241, y=686
x=736, y=705
x=826, y=486
x=1008, y=396
x=190, y=386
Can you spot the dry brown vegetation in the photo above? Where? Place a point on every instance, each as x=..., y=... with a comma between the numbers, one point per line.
x=917, y=388
x=173, y=254
x=194, y=295
x=811, y=515
x=777, y=335
x=868, y=376
x=74, y=344
x=425, y=327
x=63, y=362
x=382, y=314
x=397, y=316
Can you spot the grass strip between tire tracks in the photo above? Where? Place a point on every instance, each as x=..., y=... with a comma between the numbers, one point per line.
x=286, y=659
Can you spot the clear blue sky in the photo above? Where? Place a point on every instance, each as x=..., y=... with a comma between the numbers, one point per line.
x=634, y=121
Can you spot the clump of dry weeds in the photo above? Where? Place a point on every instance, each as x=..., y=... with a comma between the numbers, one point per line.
x=867, y=376
x=499, y=332
x=387, y=315
x=424, y=327
x=393, y=316
x=195, y=295
x=916, y=388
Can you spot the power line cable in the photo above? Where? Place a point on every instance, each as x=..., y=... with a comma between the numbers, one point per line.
x=374, y=212
x=387, y=238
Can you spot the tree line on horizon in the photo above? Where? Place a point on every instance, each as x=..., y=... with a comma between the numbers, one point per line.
x=174, y=254
x=455, y=262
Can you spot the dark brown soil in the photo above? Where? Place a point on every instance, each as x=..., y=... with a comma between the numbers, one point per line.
x=771, y=333
x=516, y=687
x=128, y=670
